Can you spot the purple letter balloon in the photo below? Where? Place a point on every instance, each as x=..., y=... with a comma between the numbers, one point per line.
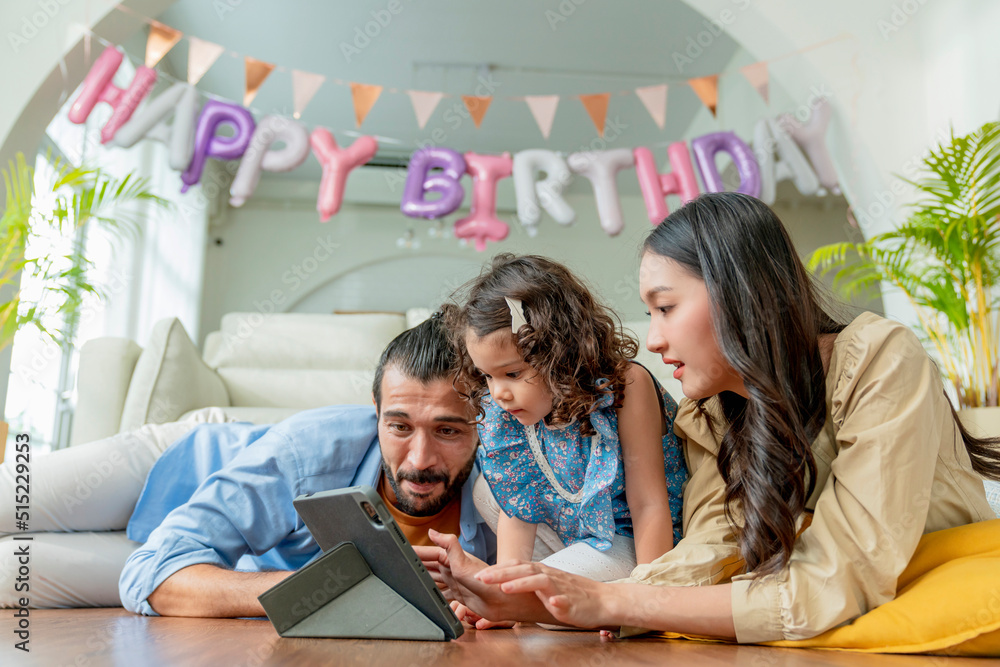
x=419, y=181
x=207, y=144
x=706, y=146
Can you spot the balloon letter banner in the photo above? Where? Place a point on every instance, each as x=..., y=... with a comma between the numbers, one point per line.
x=600, y=168
x=259, y=156
x=706, y=146
x=656, y=186
x=482, y=224
x=206, y=142
x=180, y=101
x=420, y=180
x=337, y=164
x=769, y=139
x=527, y=164
x=812, y=138
x=97, y=87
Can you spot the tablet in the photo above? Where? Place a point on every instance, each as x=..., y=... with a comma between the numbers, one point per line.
x=357, y=515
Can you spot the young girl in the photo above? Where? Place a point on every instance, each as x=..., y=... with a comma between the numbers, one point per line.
x=574, y=437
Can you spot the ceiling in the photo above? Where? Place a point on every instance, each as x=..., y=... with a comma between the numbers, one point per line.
x=521, y=47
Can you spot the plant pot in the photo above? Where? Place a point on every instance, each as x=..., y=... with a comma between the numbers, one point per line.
x=981, y=422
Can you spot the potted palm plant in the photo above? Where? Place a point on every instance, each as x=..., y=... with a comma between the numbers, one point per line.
x=71, y=198
x=946, y=259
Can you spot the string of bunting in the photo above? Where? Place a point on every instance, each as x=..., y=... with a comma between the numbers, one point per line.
x=203, y=54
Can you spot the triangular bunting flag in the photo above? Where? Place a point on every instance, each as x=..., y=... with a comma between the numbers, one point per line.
x=304, y=86
x=597, y=107
x=364, y=96
x=257, y=71
x=543, y=108
x=424, y=104
x=477, y=106
x=757, y=75
x=707, y=90
x=161, y=39
x=654, y=98
x=201, y=56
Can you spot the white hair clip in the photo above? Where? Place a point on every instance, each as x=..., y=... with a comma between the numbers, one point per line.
x=516, y=314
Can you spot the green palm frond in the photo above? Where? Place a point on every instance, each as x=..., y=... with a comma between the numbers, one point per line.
x=945, y=257
x=79, y=196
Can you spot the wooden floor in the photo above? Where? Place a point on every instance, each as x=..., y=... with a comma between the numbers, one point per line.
x=93, y=637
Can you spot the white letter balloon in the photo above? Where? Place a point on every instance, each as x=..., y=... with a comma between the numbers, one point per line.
x=601, y=168
x=179, y=101
x=780, y=159
x=545, y=194
x=260, y=157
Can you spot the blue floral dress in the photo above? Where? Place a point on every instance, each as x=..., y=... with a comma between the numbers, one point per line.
x=573, y=483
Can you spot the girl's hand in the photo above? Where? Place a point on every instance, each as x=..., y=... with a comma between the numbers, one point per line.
x=570, y=598
x=466, y=615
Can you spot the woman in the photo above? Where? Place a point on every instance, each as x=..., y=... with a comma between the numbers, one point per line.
x=820, y=453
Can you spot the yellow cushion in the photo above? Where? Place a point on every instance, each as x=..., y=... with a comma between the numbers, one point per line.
x=947, y=601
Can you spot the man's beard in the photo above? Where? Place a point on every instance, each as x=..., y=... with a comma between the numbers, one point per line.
x=451, y=488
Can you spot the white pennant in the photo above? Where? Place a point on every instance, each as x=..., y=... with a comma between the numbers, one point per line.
x=424, y=104
x=543, y=108
x=654, y=98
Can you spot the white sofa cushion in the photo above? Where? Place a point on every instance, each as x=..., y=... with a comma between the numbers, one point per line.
x=107, y=364
x=301, y=340
x=296, y=387
x=169, y=380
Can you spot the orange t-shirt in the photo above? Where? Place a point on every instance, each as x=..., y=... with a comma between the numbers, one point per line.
x=415, y=528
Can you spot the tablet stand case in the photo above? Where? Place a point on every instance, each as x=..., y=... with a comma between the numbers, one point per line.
x=338, y=596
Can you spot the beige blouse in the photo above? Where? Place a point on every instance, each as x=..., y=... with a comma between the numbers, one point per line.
x=891, y=466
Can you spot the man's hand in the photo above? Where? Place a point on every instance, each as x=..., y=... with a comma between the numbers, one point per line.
x=207, y=591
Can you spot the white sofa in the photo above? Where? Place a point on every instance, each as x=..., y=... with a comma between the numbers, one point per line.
x=258, y=368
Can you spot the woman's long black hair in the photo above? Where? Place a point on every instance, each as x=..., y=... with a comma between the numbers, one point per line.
x=768, y=319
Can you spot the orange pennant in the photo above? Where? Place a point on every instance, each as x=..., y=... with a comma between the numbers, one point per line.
x=364, y=96
x=757, y=75
x=161, y=39
x=477, y=106
x=257, y=71
x=597, y=107
x=707, y=90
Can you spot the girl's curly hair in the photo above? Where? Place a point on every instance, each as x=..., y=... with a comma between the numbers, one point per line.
x=571, y=340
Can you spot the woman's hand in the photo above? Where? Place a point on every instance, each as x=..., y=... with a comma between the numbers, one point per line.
x=570, y=598
x=466, y=615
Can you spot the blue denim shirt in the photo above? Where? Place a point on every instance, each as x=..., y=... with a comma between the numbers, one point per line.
x=223, y=495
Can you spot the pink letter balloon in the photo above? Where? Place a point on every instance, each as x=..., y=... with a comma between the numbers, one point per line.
x=770, y=140
x=656, y=186
x=259, y=157
x=97, y=87
x=206, y=142
x=601, y=168
x=706, y=146
x=179, y=101
x=482, y=224
x=525, y=169
x=812, y=138
x=337, y=164
x=420, y=180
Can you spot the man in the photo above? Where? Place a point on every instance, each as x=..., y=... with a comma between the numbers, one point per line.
x=216, y=510
x=417, y=448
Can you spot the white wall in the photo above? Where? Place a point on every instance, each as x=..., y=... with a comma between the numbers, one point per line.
x=276, y=256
